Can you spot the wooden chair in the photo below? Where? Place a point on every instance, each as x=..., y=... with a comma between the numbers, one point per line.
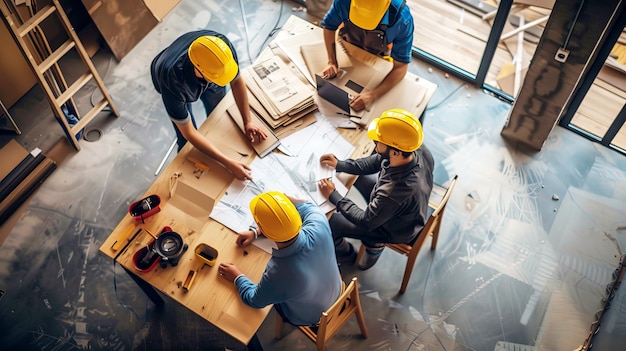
x=334, y=318
x=437, y=205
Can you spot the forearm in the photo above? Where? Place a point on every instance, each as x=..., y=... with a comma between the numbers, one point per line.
x=204, y=145
x=240, y=93
x=366, y=165
x=330, y=44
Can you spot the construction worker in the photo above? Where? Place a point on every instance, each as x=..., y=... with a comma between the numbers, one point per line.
x=199, y=65
x=397, y=180
x=301, y=279
x=382, y=27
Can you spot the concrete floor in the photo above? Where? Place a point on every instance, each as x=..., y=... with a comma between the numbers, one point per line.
x=528, y=244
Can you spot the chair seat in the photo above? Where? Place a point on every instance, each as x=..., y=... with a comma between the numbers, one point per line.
x=436, y=207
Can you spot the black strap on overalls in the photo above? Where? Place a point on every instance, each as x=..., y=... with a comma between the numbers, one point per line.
x=374, y=41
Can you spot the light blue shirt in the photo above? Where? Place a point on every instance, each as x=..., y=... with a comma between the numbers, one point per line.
x=303, y=278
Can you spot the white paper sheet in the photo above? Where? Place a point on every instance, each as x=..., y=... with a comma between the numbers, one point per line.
x=296, y=176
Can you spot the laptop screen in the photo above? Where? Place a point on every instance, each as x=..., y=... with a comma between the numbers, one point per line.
x=333, y=93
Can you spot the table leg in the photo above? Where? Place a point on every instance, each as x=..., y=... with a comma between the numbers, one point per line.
x=152, y=294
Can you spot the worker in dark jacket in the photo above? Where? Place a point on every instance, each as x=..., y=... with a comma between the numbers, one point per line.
x=382, y=27
x=397, y=180
x=199, y=65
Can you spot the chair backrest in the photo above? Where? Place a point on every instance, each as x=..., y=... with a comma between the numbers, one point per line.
x=439, y=208
x=437, y=204
x=338, y=314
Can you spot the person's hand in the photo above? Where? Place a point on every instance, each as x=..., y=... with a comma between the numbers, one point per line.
x=362, y=101
x=254, y=133
x=240, y=170
x=245, y=238
x=326, y=187
x=228, y=271
x=329, y=160
x=330, y=72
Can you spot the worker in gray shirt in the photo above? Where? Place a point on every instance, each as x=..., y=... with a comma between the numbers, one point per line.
x=397, y=180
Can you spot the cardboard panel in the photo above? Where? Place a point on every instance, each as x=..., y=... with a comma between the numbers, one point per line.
x=11, y=155
x=122, y=23
x=17, y=77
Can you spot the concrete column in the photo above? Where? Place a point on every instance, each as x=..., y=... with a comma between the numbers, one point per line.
x=550, y=82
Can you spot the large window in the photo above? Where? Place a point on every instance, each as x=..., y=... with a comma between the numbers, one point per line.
x=491, y=44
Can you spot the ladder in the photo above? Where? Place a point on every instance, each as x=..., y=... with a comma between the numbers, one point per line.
x=4, y=112
x=44, y=61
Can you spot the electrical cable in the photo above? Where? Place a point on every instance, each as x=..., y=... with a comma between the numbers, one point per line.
x=117, y=296
x=115, y=275
x=428, y=322
x=445, y=98
x=245, y=26
x=106, y=74
x=573, y=24
x=275, y=28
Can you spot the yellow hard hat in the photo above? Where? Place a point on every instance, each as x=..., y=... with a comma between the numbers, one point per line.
x=397, y=128
x=276, y=216
x=367, y=14
x=213, y=58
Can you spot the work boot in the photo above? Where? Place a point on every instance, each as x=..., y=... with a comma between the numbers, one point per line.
x=346, y=255
x=372, y=254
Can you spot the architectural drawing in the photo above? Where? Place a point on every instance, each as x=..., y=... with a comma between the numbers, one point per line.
x=295, y=176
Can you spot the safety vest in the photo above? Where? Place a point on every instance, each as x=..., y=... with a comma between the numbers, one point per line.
x=375, y=40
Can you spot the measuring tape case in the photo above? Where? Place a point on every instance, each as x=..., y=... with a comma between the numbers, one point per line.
x=145, y=207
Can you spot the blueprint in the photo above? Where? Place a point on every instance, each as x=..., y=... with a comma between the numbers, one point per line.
x=296, y=176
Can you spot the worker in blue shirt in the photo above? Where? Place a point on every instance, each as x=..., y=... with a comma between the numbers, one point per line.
x=199, y=65
x=382, y=27
x=301, y=279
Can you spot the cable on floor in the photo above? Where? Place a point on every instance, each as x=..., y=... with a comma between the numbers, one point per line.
x=275, y=28
x=445, y=98
x=428, y=322
x=117, y=296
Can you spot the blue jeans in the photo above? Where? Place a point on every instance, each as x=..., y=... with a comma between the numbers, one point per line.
x=210, y=98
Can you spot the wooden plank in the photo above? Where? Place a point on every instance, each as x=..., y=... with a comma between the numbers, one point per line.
x=74, y=88
x=56, y=56
x=34, y=21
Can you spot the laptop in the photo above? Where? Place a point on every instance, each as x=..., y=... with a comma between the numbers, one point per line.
x=333, y=94
x=341, y=98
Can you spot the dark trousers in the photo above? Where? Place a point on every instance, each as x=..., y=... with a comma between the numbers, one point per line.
x=342, y=228
x=255, y=344
x=210, y=98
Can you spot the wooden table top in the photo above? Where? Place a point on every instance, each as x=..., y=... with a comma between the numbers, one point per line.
x=211, y=297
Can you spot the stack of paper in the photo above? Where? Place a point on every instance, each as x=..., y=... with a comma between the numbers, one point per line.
x=278, y=95
x=266, y=146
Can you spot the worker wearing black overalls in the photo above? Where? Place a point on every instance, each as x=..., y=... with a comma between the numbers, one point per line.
x=382, y=27
x=198, y=66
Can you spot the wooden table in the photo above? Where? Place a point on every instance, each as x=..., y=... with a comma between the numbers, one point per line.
x=210, y=296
